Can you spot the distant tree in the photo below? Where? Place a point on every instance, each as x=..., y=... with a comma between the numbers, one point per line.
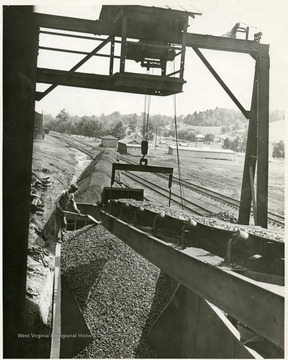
x=172, y=132
x=236, y=144
x=132, y=123
x=191, y=137
x=166, y=133
x=227, y=144
x=209, y=138
x=115, y=116
x=47, y=118
x=236, y=126
x=118, y=131
x=63, y=115
x=278, y=150
x=187, y=135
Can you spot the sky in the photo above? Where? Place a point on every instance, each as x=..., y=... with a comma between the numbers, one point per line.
x=201, y=91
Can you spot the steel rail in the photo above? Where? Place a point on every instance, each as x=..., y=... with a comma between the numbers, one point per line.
x=193, y=207
x=273, y=217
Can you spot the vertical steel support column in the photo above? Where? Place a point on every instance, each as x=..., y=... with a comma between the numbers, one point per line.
x=257, y=146
x=123, y=44
x=112, y=56
x=250, y=158
x=263, y=138
x=183, y=51
x=20, y=45
x=163, y=68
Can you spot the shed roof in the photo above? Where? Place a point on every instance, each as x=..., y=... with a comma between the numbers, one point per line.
x=190, y=148
x=135, y=138
x=109, y=137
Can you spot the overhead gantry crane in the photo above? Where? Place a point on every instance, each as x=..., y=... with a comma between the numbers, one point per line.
x=154, y=36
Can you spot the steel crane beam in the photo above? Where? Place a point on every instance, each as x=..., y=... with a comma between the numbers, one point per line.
x=221, y=82
x=106, y=28
x=258, y=114
x=245, y=299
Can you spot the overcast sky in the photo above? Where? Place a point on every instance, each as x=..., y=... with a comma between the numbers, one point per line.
x=201, y=91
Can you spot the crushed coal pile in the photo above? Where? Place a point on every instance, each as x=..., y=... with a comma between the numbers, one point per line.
x=119, y=293
x=95, y=177
x=225, y=216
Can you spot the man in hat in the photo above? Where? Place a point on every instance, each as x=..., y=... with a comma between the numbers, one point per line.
x=65, y=198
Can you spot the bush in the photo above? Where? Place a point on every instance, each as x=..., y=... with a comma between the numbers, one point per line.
x=278, y=150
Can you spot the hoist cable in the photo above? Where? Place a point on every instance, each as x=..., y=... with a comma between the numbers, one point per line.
x=148, y=108
x=148, y=115
x=144, y=118
x=147, y=103
x=181, y=189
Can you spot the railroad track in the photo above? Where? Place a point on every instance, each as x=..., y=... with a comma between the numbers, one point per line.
x=77, y=144
x=193, y=207
x=190, y=206
x=273, y=218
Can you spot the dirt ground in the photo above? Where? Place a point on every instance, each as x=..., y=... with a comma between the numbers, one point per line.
x=54, y=161
x=223, y=175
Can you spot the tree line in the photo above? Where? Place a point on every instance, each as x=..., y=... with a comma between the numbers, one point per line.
x=121, y=125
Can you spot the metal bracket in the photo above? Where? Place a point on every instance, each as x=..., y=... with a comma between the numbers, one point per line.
x=143, y=161
x=142, y=168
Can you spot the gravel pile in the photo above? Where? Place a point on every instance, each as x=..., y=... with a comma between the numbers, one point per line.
x=119, y=293
x=95, y=177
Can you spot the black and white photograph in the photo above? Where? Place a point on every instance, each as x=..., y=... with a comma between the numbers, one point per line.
x=143, y=179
